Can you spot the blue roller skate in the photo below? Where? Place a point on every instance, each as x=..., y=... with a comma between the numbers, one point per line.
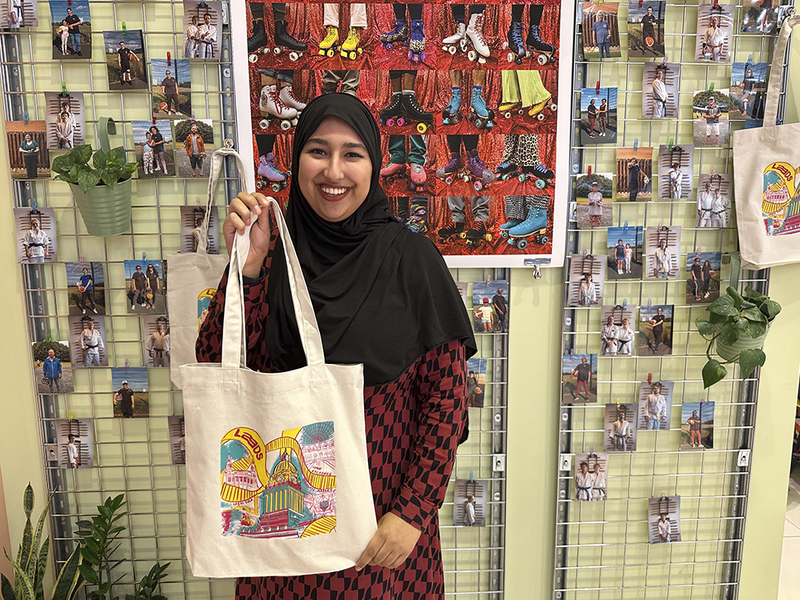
x=450, y=116
x=540, y=175
x=482, y=115
x=416, y=50
x=535, y=224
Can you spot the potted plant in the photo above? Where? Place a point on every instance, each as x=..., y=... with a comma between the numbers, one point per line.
x=736, y=330
x=90, y=564
x=103, y=188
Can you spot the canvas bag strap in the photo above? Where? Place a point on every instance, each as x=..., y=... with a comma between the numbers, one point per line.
x=217, y=165
x=776, y=71
x=234, y=352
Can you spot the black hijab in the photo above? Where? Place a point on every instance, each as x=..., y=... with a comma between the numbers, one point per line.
x=382, y=294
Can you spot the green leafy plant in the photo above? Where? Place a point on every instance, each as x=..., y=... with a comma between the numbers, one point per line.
x=146, y=588
x=732, y=316
x=99, y=545
x=31, y=562
x=108, y=168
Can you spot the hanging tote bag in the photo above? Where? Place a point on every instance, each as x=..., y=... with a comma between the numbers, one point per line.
x=766, y=169
x=276, y=463
x=193, y=279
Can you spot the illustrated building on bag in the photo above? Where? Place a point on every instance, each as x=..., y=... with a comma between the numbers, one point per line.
x=297, y=498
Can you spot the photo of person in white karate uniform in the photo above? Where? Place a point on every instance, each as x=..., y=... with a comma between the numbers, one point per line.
x=73, y=456
x=660, y=95
x=608, y=337
x=663, y=519
x=587, y=292
x=36, y=235
x=583, y=482
x=598, y=483
x=91, y=343
x=619, y=432
x=625, y=337
x=655, y=408
x=35, y=243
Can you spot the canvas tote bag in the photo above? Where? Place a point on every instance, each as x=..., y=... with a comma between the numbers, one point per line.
x=276, y=463
x=766, y=171
x=193, y=279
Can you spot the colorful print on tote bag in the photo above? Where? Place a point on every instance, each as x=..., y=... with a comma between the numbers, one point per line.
x=780, y=203
x=283, y=489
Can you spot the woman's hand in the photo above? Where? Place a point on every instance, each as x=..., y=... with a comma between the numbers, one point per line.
x=391, y=544
x=238, y=218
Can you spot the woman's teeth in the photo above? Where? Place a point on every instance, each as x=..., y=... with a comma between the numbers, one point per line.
x=333, y=191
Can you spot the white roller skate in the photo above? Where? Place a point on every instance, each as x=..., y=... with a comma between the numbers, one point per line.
x=452, y=43
x=480, y=50
x=271, y=106
x=287, y=95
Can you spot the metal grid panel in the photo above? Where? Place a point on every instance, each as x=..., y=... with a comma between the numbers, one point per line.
x=601, y=548
x=134, y=457
x=474, y=557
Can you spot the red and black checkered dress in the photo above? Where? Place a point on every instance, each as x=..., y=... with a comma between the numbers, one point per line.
x=413, y=426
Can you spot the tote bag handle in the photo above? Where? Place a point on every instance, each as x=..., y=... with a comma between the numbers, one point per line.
x=234, y=348
x=776, y=71
x=217, y=162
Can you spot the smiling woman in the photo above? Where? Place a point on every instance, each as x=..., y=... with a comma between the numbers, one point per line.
x=371, y=280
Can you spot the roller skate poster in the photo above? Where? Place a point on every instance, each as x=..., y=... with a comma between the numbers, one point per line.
x=469, y=100
x=284, y=488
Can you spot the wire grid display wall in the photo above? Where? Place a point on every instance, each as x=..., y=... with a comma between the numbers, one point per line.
x=134, y=456
x=474, y=557
x=602, y=549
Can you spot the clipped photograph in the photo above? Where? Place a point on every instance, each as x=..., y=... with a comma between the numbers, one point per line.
x=600, y=30
x=201, y=23
x=146, y=285
x=65, y=119
x=154, y=149
x=27, y=149
x=634, y=173
x=625, y=252
x=19, y=13
x=469, y=502
x=192, y=221
x=646, y=28
x=177, y=440
x=87, y=341
x=86, y=288
x=703, y=277
x=598, y=116
x=476, y=381
x=697, y=425
x=590, y=476
x=617, y=330
x=675, y=168
x=594, y=194
x=655, y=405
x=586, y=279
x=660, y=90
x=155, y=329
x=620, y=427
x=171, y=86
x=194, y=145
x=496, y=291
x=759, y=16
x=36, y=235
x=662, y=249
x=130, y=396
x=710, y=118
x=748, y=91
x=664, y=519
x=655, y=329
x=71, y=23
x=53, y=366
x=125, y=60
x=462, y=290
x=714, y=32
x=579, y=378
x=74, y=443
x=713, y=200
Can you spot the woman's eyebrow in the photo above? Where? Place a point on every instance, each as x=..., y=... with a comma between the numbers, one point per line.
x=324, y=142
